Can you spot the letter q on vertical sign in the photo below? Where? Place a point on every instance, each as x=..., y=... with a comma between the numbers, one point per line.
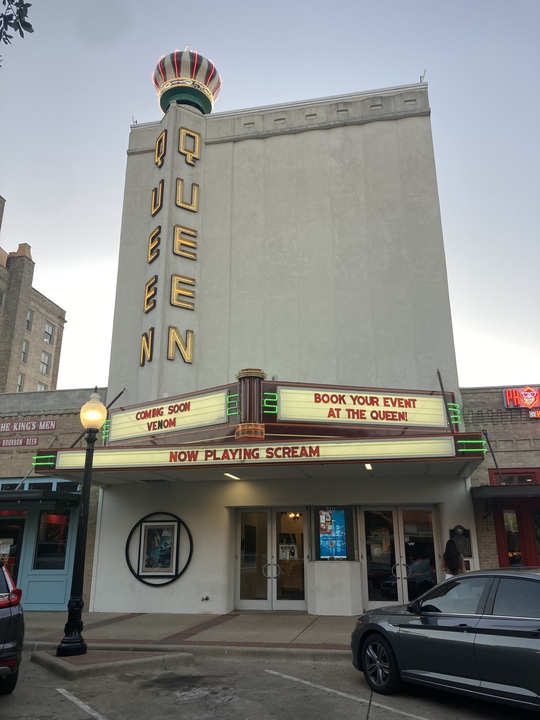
x=189, y=145
x=160, y=149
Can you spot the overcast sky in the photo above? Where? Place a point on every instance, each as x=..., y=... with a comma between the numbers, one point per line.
x=70, y=92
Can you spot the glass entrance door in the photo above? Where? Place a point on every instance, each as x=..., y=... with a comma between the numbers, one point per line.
x=271, y=559
x=399, y=550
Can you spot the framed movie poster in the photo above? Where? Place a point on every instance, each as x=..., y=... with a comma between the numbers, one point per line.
x=158, y=548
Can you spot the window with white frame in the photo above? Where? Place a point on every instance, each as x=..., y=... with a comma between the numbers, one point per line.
x=41, y=387
x=29, y=320
x=20, y=382
x=45, y=364
x=48, y=334
x=25, y=350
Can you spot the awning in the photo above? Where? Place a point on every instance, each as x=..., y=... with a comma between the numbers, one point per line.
x=50, y=497
x=492, y=492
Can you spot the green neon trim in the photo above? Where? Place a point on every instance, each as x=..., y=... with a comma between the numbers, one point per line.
x=270, y=403
x=477, y=446
x=44, y=460
x=233, y=400
x=455, y=412
x=105, y=429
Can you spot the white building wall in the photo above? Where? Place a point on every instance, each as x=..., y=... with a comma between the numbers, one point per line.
x=320, y=255
x=209, y=511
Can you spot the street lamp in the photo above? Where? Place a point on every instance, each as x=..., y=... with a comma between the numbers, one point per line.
x=93, y=415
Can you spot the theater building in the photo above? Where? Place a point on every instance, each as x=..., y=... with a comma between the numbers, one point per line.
x=289, y=434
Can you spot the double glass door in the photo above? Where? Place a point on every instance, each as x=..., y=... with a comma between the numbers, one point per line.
x=271, y=568
x=400, y=553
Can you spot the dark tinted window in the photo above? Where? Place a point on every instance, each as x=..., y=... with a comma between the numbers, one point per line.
x=517, y=597
x=52, y=540
x=461, y=596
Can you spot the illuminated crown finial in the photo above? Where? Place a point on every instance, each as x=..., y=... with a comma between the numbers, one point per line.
x=187, y=78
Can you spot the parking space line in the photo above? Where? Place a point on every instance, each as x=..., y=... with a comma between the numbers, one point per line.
x=80, y=704
x=346, y=695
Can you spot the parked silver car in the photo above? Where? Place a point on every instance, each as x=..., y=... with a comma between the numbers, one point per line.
x=11, y=631
x=476, y=634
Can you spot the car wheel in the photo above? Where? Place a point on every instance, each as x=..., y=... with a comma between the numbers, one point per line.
x=7, y=684
x=379, y=665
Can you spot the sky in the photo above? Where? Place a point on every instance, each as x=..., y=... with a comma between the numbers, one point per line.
x=70, y=91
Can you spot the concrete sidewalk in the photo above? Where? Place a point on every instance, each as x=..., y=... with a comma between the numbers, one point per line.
x=117, y=640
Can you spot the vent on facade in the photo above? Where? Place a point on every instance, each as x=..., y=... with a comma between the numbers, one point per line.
x=496, y=417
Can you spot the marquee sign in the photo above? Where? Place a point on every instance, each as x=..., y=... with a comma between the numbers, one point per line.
x=526, y=397
x=360, y=407
x=171, y=416
x=200, y=456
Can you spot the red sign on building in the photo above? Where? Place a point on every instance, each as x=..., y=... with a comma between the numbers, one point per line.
x=526, y=397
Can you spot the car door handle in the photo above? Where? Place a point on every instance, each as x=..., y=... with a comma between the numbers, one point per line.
x=463, y=627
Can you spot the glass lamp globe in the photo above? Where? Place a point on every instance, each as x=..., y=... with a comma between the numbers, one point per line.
x=93, y=412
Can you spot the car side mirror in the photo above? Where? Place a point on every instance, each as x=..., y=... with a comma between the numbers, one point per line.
x=414, y=607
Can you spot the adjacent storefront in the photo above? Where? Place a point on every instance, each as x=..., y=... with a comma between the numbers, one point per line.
x=38, y=523
x=506, y=490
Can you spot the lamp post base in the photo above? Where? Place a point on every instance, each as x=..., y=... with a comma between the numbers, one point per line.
x=69, y=649
x=73, y=642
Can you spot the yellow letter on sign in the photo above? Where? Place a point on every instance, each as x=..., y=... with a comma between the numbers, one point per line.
x=193, y=205
x=194, y=141
x=150, y=294
x=147, y=347
x=177, y=341
x=160, y=149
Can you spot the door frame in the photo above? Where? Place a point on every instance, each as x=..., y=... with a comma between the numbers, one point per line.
x=271, y=568
x=400, y=567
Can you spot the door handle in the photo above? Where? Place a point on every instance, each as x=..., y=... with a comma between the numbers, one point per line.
x=264, y=572
x=463, y=627
x=278, y=570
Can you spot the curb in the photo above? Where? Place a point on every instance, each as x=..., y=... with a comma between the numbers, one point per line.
x=103, y=658
x=65, y=668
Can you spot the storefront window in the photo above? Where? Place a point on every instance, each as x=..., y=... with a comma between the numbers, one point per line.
x=512, y=537
x=52, y=540
x=514, y=477
x=334, y=539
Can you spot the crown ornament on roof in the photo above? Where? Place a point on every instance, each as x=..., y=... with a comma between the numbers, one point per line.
x=186, y=78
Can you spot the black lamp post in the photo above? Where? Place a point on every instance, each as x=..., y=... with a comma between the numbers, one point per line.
x=93, y=415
